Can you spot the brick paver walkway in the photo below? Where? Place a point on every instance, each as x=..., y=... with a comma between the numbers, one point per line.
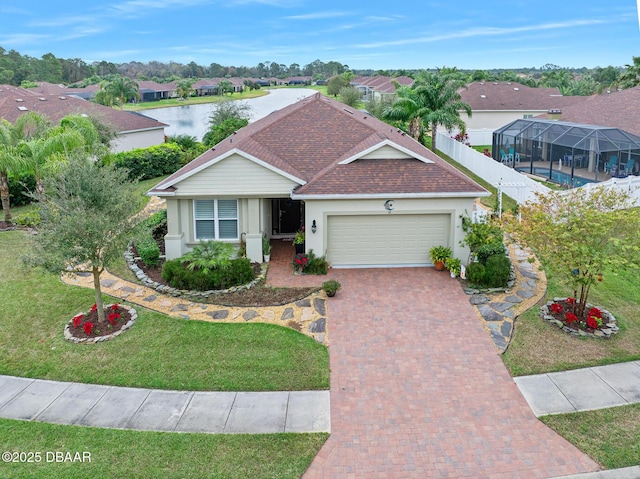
x=418, y=390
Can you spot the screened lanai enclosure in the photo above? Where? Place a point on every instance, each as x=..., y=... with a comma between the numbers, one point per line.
x=567, y=153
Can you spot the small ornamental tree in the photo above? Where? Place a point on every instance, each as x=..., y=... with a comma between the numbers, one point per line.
x=88, y=218
x=580, y=233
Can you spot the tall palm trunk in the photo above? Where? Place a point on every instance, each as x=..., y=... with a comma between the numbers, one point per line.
x=4, y=195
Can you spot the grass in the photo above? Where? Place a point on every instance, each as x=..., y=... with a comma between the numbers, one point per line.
x=136, y=454
x=158, y=352
x=145, y=185
x=538, y=347
x=609, y=436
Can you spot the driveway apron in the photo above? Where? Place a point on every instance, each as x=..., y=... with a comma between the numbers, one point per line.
x=418, y=389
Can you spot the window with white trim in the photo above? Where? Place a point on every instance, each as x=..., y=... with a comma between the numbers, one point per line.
x=216, y=219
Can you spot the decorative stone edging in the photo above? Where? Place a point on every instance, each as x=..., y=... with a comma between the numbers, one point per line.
x=99, y=339
x=175, y=292
x=603, y=333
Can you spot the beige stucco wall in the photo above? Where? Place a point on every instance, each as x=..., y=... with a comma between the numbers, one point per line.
x=137, y=139
x=320, y=210
x=235, y=176
x=495, y=119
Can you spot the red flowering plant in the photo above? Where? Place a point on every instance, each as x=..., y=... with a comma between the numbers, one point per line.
x=300, y=262
x=88, y=327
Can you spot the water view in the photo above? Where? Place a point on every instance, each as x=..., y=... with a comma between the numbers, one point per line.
x=193, y=120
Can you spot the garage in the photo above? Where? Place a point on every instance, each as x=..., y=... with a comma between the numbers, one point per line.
x=385, y=240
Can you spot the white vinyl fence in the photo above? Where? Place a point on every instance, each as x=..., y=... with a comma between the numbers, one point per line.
x=513, y=183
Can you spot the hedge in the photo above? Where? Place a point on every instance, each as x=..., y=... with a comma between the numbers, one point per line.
x=176, y=273
x=147, y=163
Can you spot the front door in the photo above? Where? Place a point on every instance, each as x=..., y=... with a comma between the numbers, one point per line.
x=287, y=216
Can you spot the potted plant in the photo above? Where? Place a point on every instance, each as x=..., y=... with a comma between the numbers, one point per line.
x=266, y=248
x=439, y=254
x=453, y=266
x=298, y=241
x=331, y=287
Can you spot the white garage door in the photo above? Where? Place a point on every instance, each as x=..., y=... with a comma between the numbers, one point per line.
x=385, y=240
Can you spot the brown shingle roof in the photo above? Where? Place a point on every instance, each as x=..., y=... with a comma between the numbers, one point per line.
x=618, y=109
x=497, y=96
x=56, y=106
x=310, y=139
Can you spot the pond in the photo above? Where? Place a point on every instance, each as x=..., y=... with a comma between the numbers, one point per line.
x=193, y=120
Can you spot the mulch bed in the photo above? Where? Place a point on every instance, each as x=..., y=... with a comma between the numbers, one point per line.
x=4, y=226
x=120, y=318
x=565, y=310
x=259, y=295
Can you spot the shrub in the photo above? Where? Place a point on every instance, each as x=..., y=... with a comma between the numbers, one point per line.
x=20, y=187
x=487, y=250
x=149, y=251
x=475, y=274
x=147, y=163
x=30, y=219
x=157, y=225
x=315, y=264
x=497, y=270
x=178, y=275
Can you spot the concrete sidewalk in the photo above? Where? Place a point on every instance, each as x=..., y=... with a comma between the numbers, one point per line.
x=159, y=410
x=582, y=389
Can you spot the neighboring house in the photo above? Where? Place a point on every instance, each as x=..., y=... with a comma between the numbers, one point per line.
x=617, y=109
x=134, y=130
x=366, y=193
x=377, y=87
x=494, y=104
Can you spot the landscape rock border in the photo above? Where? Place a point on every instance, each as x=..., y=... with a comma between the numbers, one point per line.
x=175, y=292
x=99, y=339
x=603, y=333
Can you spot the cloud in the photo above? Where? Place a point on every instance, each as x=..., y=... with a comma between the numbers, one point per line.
x=23, y=38
x=485, y=32
x=318, y=15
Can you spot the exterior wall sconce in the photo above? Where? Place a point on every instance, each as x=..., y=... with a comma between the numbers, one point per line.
x=314, y=227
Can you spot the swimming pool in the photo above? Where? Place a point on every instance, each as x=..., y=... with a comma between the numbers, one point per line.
x=557, y=176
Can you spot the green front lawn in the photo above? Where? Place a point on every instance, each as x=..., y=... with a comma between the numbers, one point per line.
x=538, y=347
x=609, y=436
x=135, y=454
x=158, y=352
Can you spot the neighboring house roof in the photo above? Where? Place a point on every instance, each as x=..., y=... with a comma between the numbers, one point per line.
x=382, y=84
x=510, y=96
x=331, y=150
x=617, y=109
x=15, y=101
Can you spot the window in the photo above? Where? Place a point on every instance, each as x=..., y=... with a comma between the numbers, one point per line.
x=216, y=219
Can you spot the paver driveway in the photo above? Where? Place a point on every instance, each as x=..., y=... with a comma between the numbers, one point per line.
x=418, y=389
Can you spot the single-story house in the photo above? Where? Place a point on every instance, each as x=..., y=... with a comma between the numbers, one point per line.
x=378, y=87
x=134, y=130
x=365, y=193
x=494, y=104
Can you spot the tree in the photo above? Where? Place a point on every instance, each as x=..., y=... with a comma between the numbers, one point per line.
x=350, y=95
x=184, y=88
x=117, y=90
x=432, y=100
x=54, y=146
x=88, y=218
x=337, y=83
x=225, y=86
x=580, y=234
x=226, y=117
x=27, y=126
x=631, y=76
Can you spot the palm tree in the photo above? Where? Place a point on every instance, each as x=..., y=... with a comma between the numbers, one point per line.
x=432, y=100
x=120, y=89
x=53, y=148
x=28, y=125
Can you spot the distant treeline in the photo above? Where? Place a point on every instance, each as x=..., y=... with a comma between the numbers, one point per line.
x=21, y=70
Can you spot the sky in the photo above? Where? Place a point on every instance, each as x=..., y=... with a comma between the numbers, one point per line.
x=374, y=34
